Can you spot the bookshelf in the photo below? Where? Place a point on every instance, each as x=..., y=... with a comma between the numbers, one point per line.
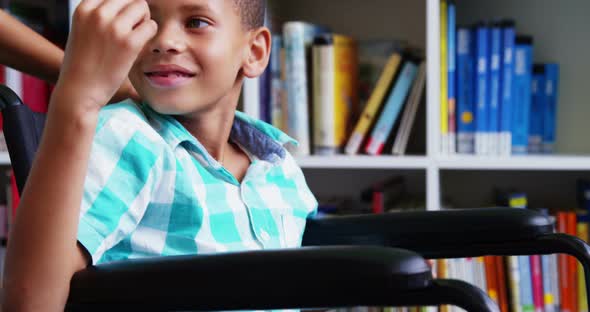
x=418, y=23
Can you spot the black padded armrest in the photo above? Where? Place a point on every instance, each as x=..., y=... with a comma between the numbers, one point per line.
x=291, y=278
x=421, y=230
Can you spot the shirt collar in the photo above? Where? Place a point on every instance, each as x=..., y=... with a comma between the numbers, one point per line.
x=259, y=138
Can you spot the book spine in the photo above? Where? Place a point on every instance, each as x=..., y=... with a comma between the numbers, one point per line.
x=523, y=55
x=465, y=120
x=537, y=283
x=375, y=102
x=409, y=115
x=508, y=37
x=537, y=104
x=548, y=299
x=513, y=273
x=482, y=77
x=551, y=96
x=494, y=90
x=526, y=285
x=444, y=108
x=451, y=80
x=323, y=98
x=297, y=37
x=346, y=92
x=391, y=109
x=276, y=83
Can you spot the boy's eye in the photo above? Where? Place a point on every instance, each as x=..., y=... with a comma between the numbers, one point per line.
x=196, y=23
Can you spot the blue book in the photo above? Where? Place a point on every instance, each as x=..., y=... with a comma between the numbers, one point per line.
x=494, y=90
x=481, y=87
x=521, y=87
x=465, y=92
x=550, y=114
x=508, y=37
x=537, y=109
x=451, y=81
x=391, y=108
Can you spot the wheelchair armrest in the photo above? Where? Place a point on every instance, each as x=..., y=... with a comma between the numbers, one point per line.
x=421, y=230
x=291, y=278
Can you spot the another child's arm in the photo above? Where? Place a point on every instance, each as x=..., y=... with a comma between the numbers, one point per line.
x=24, y=49
x=43, y=255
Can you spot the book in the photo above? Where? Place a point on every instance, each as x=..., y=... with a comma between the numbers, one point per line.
x=375, y=102
x=508, y=38
x=277, y=84
x=481, y=87
x=444, y=108
x=391, y=108
x=537, y=109
x=451, y=77
x=550, y=111
x=465, y=92
x=335, y=92
x=521, y=87
x=298, y=38
x=494, y=90
x=410, y=110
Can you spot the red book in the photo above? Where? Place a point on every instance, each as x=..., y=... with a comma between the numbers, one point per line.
x=565, y=282
x=537, y=279
x=377, y=203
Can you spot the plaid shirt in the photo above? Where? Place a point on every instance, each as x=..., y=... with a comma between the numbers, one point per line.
x=152, y=189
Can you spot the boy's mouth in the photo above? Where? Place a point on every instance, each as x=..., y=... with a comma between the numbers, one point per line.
x=168, y=76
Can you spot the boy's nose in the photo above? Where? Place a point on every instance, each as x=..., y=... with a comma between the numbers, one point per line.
x=167, y=41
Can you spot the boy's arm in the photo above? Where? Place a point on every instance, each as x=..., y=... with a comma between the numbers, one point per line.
x=43, y=254
x=24, y=49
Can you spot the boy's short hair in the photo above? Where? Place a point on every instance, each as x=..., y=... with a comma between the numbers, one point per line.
x=252, y=12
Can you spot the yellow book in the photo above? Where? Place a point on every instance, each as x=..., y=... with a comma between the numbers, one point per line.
x=372, y=108
x=442, y=272
x=335, y=91
x=444, y=104
x=346, y=95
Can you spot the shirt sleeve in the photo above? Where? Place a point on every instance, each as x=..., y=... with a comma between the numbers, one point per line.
x=119, y=182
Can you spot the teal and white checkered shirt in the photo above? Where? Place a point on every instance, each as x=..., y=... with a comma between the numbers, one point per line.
x=153, y=190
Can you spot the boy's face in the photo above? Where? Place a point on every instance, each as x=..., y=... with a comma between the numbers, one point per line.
x=195, y=58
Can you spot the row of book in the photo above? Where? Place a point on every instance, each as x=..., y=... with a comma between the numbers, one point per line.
x=495, y=101
x=517, y=283
x=337, y=95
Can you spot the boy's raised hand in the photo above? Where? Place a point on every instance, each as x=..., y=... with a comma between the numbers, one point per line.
x=106, y=38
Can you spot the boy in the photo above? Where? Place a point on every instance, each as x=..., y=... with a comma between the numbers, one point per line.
x=182, y=173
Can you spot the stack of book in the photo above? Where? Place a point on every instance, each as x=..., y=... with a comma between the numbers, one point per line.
x=338, y=95
x=494, y=100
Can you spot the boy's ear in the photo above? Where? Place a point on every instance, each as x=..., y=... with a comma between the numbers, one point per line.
x=258, y=52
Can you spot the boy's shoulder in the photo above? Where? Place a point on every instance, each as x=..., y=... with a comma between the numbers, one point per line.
x=125, y=111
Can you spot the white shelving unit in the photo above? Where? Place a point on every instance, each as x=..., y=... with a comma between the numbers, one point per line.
x=418, y=23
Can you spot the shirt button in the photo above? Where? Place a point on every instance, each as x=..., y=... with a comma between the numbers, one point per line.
x=264, y=235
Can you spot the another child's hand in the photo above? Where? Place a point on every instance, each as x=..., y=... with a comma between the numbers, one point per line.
x=106, y=37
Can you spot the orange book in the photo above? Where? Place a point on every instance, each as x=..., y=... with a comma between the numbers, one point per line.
x=565, y=284
x=502, y=289
x=491, y=277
